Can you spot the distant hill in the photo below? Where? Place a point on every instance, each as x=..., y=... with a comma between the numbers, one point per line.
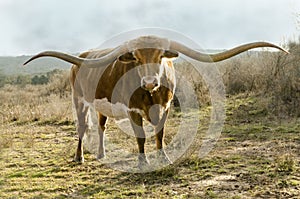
x=10, y=65
x=14, y=65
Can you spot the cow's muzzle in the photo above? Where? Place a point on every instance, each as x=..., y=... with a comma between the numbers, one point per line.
x=150, y=83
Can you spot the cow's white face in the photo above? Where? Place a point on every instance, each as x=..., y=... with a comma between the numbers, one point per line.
x=150, y=64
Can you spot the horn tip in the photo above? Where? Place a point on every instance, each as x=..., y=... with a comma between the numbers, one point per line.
x=25, y=63
x=286, y=51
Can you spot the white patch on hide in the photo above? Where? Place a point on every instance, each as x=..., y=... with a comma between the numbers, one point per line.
x=168, y=104
x=162, y=68
x=91, y=116
x=117, y=110
x=86, y=104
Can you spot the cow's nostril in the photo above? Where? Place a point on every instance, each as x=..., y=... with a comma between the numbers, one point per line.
x=149, y=83
x=149, y=86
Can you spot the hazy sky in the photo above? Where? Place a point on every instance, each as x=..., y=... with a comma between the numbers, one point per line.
x=31, y=26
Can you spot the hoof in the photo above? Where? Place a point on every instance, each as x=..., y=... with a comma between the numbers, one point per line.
x=100, y=156
x=163, y=158
x=79, y=159
x=143, y=161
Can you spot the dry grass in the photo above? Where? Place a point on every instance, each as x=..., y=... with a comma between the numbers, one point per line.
x=32, y=104
x=250, y=160
x=271, y=75
x=256, y=157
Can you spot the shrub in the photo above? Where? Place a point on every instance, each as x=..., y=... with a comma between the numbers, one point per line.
x=37, y=80
x=274, y=75
x=58, y=84
x=2, y=79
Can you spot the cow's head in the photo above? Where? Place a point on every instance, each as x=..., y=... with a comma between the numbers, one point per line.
x=151, y=65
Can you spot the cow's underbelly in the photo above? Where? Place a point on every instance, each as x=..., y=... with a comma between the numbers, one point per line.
x=117, y=110
x=120, y=111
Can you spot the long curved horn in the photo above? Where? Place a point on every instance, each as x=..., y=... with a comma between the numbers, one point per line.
x=66, y=57
x=203, y=57
x=140, y=42
x=153, y=42
x=92, y=63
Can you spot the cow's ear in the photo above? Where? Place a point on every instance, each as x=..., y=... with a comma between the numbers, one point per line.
x=170, y=54
x=127, y=57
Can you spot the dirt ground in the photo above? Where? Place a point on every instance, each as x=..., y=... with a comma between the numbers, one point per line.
x=249, y=160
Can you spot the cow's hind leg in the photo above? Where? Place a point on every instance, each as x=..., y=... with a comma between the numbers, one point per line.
x=101, y=131
x=81, y=112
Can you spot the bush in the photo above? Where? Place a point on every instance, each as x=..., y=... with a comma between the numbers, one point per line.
x=271, y=75
x=58, y=83
x=2, y=79
x=38, y=80
x=274, y=75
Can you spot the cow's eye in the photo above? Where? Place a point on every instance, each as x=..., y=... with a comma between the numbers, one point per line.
x=127, y=57
x=170, y=54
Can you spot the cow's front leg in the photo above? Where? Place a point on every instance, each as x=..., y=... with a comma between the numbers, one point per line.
x=159, y=133
x=137, y=124
x=161, y=154
x=101, y=131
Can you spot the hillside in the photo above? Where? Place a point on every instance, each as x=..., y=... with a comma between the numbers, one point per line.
x=14, y=65
x=10, y=65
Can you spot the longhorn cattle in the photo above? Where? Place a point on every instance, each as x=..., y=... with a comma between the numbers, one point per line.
x=99, y=78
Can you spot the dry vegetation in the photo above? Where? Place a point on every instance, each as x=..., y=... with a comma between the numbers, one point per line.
x=257, y=155
x=28, y=103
